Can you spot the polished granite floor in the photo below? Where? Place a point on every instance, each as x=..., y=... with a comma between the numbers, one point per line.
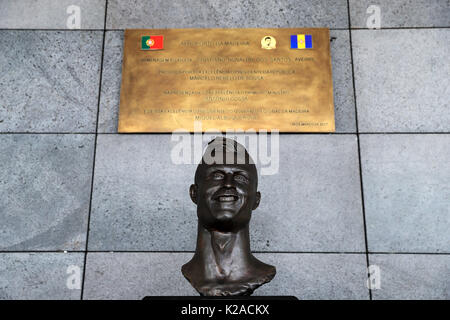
x=89, y=213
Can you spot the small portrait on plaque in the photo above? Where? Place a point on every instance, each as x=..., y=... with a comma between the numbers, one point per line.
x=268, y=43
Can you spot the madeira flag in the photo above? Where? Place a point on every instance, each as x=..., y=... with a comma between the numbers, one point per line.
x=152, y=42
x=301, y=41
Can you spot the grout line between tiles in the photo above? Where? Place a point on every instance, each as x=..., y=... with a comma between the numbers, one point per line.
x=95, y=153
x=359, y=150
x=255, y=251
x=280, y=133
x=299, y=27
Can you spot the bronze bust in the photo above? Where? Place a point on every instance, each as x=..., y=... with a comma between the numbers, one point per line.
x=225, y=193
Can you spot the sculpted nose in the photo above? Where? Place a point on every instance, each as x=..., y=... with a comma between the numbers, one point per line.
x=229, y=181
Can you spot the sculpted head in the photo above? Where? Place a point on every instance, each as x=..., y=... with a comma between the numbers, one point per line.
x=225, y=188
x=225, y=192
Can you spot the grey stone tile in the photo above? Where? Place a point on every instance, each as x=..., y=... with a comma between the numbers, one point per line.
x=406, y=192
x=45, y=183
x=402, y=13
x=50, y=14
x=317, y=276
x=42, y=276
x=51, y=80
x=111, y=81
x=141, y=201
x=344, y=102
x=118, y=276
x=342, y=81
x=314, y=203
x=226, y=14
x=402, y=82
x=412, y=276
x=307, y=276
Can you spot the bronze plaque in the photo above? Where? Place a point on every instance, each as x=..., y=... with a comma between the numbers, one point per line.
x=225, y=79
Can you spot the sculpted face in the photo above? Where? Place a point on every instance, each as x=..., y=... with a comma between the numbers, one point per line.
x=225, y=195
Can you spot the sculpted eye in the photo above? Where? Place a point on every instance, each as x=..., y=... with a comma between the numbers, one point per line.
x=218, y=175
x=240, y=178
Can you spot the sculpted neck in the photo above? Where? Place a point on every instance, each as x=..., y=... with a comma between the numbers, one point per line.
x=223, y=264
x=224, y=255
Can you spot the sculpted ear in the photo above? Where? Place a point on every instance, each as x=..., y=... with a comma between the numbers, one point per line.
x=257, y=200
x=193, y=193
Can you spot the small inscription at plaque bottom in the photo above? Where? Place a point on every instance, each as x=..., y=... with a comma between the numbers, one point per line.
x=225, y=79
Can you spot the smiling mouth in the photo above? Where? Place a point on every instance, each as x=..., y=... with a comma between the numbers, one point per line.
x=227, y=198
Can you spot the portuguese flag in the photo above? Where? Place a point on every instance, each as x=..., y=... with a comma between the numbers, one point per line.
x=152, y=42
